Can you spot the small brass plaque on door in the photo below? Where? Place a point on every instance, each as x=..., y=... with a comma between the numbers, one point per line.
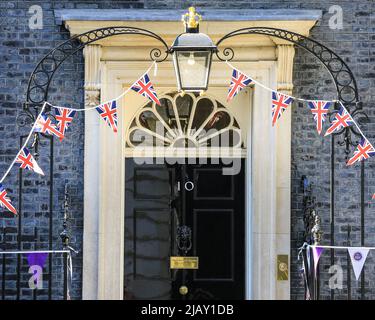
x=184, y=263
x=282, y=267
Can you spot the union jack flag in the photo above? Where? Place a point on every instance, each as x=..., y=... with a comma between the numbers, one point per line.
x=45, y=125
x=319, y=109
x=144, y=87
x=27, y=161
x=342, y=120
x=64, y=118
x=108, y=112
x=5, y=201
x=237, y=83
x=279, y=104
x=364, y=150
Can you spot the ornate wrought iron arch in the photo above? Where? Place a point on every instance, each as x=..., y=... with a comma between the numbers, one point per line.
x=343, y=77
x=336, y=66
x=41, y=77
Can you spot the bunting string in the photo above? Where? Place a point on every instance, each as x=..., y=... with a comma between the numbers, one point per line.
x=24, y=144
x=356, y=125
x=319, y=108
x=154, y=64
x=64, y=116
x=358, y=255
x=339, y=247
x=34, y=251
x=143, y=86
x=272, y=90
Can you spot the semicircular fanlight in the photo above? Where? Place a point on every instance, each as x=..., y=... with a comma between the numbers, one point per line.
x=188, y=121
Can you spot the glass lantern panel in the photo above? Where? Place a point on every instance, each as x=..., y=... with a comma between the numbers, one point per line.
x=193, y=68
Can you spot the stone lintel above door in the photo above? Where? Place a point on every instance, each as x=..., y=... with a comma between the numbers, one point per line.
x=216, y=23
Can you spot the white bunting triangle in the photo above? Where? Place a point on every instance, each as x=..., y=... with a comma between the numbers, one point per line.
x=358, y=257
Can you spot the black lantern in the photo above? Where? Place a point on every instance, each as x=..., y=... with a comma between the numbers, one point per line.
x=192, y=55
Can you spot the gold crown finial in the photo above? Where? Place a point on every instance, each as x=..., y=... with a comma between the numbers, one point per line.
x=191, y=19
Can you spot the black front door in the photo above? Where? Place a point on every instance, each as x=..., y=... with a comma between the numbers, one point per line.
x=188, y=210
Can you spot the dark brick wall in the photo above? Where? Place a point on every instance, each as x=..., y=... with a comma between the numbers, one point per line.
x=21, y=48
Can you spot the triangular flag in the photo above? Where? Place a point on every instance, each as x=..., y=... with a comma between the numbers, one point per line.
x=317, y=252
x=237, y=83
x=27, y=161
x=280, y=102
x=5, y=201
x=342, y=120
x=37, y=258
x=364, y=150
x=358, y=257
x=44, y=125
x=108, y=112
x=319, y=109
x=64, y=117
x=145, y=88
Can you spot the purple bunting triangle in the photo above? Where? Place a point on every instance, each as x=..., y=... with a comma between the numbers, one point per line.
x=37, y=259
x=317, y=252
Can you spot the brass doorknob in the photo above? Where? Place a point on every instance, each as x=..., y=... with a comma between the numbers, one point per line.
x=183, y=290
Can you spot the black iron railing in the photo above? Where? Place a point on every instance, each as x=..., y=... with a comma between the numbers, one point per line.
x=16, y=277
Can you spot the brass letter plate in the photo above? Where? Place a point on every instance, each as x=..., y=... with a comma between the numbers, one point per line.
x=184, y=263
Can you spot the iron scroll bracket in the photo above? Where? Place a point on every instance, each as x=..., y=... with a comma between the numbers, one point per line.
x=342, y=76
